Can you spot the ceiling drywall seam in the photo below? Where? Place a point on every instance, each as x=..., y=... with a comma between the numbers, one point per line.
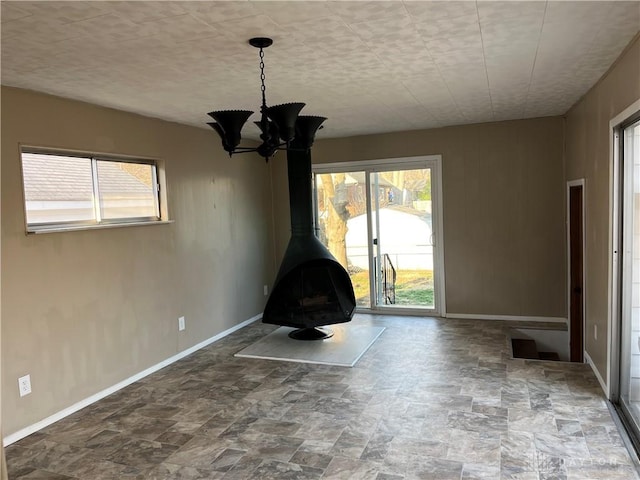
x=484, y=62
x=535, y=58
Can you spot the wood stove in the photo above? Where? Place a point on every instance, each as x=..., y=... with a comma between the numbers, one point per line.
x=311, y=289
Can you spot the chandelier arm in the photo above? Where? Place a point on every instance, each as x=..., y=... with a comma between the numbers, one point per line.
x=245, y=149
x=280, y=146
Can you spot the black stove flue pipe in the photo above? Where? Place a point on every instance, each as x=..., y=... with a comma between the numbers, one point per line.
x=312, y=288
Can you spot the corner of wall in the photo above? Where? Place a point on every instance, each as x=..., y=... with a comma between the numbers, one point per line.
x=604, y=385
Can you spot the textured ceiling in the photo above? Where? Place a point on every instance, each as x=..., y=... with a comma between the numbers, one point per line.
x=369, y=66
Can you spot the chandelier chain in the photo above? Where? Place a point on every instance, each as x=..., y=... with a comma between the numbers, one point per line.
x=262, y=78
x=281, y=126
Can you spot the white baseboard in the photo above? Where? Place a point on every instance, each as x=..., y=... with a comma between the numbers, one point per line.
x=14, y=437
x=603, y=384
x=517, y=318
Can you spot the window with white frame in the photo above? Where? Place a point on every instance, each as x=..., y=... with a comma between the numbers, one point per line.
x=67, y=190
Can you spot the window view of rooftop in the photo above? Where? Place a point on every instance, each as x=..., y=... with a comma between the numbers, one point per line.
x=61, y=189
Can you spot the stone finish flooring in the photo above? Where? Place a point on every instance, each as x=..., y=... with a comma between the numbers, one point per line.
x=431, y=399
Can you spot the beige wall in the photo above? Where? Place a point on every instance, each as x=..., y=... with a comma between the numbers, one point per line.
x=3, y=464
x=503, y=204
x=588, y=157
x=84, y=310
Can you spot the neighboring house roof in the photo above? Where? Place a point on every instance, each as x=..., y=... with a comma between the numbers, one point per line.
x=59, y=178
x=359, y=177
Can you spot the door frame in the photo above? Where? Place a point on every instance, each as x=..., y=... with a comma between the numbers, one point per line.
x=619, y=184
x=611, y=385
x=577, y=183
x=405, y=163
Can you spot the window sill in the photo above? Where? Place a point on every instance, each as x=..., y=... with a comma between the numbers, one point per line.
x=74, y=228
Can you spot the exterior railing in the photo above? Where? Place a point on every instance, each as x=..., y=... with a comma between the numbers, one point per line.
x=388, y=280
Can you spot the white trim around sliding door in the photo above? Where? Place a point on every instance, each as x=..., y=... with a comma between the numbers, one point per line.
x=407, y=163
x=375, y=165
x=439, y=219
x=615, y=243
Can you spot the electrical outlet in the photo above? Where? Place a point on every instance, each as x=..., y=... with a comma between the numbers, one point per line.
x=266, y=290
x=24, y=385
x=595, y=332
x=181, y=324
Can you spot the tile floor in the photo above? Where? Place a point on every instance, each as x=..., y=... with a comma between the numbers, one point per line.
x=431, y=399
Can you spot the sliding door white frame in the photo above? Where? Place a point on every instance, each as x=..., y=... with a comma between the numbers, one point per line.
x=611, y=385
x=434, y=162
x=618, y=386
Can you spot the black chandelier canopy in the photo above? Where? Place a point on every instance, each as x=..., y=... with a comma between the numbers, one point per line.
x=281, y=126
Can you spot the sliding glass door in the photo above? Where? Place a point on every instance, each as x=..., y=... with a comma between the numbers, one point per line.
x=381, y=221
x=629, y=291
x=403, y=237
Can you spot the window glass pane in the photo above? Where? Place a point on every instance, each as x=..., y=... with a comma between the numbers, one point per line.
x=341, y=219
x=127, y=190
x=404, y=248
x=57, y=188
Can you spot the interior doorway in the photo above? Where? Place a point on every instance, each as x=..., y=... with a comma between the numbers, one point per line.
x=381, y=220
x=575, y=234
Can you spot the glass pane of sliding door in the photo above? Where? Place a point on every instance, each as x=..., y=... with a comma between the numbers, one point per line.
x=381, y=223
x=341, y=223
x=403, y=238
x=630, y=302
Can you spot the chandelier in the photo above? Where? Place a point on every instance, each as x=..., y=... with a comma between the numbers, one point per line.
x=280, y=125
